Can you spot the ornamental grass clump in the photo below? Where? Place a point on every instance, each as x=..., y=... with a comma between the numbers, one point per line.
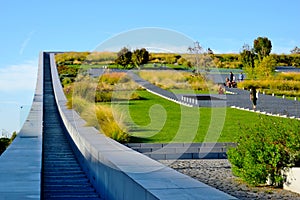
x=265, y=151
x=170, y=79
x=108, y=121
x=86, y=92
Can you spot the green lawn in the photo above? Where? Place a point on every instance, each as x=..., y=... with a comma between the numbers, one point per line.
x=155, y=119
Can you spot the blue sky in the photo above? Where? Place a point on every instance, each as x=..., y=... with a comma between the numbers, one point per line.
x=28, y=27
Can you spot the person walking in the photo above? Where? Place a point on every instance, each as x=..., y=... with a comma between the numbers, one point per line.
x=241, y=77
x=231, y=77
x=253, y=97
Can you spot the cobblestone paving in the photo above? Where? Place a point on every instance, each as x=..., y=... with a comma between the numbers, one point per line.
x=217, y=173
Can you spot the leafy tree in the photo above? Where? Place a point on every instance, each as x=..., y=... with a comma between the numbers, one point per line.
x=295, y=50
x=140, y=57
x=124, y=57
x=247, y=59
x=262, y=46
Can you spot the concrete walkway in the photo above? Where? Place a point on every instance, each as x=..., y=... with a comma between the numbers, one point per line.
x=265, y=103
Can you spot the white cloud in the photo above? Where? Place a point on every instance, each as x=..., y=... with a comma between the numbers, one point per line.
x=19, y=77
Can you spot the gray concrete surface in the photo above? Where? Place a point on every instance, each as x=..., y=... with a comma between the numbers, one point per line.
x=21, y=163
x=173, y=151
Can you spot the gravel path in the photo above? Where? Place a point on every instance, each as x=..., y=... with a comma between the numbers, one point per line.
x=217, y=173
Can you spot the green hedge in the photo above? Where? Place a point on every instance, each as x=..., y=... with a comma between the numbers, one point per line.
x=265, y=150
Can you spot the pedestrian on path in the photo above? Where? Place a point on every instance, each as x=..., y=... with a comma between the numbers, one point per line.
x=253, y=97
x=241, y=77
x=231, y=77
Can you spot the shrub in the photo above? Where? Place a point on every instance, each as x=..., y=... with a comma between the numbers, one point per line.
x=68, y=70
x=70, y=57
x=266, y=150
x=5, y=142
x=103, y=96
x=66, y=81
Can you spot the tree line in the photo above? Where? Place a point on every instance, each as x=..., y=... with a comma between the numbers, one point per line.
x=128, y=59
x=250, y=58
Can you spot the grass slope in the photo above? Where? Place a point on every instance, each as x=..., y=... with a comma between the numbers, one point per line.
x=155, y=119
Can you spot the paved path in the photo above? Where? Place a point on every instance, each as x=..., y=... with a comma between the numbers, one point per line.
x=265, y=103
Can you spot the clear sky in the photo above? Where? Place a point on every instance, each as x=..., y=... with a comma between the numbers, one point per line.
x=28, y=27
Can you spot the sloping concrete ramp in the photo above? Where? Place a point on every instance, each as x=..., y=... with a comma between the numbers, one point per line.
x=113, y=170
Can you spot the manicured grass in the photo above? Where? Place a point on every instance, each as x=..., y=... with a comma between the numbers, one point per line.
x=155, y=119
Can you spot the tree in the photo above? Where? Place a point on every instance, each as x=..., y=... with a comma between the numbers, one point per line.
x=202, y=59
x=124, y=57
x=262, y=47
x=140, y=57
x=247, y=59
x=266, y=67
x=295, y=50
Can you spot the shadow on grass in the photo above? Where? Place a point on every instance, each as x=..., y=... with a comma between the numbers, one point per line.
x=134, y=139
x=126, y=102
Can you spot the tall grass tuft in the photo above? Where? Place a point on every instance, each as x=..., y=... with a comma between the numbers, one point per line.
x=105, y=118
x=109, y=121
x=170, y=79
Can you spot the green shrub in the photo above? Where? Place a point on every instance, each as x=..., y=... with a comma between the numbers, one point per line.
x=70, y=57
x=103, y=96
x=265, y=150
x=5, y=142
x=66, y=81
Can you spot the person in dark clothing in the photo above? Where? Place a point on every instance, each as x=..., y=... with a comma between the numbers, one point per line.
x=231, y=77
x=253, y=97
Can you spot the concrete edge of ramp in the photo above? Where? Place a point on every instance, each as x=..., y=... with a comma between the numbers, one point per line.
x=21, y=163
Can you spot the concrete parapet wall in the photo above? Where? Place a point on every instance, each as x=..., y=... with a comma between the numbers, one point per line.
x=119, y=172
x=293, y=180
x=21, y=163
x=167, y=151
